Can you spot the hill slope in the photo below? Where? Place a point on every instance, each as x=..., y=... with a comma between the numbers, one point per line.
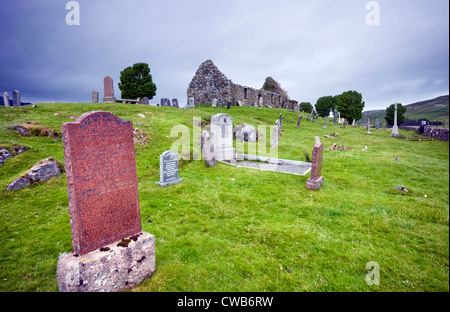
x=434, y=109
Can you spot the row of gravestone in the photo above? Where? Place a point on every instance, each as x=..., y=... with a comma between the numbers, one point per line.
x=15, y=102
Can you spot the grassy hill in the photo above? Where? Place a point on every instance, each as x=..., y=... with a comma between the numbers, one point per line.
x=434, y=109
x=237, y=229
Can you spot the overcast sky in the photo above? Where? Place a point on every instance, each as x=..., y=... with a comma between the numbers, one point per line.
x=312, y=48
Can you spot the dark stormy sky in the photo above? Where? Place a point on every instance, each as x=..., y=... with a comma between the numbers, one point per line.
x=390, y=51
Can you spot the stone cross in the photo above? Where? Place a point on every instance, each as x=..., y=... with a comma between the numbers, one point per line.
x=316, y=179
x=168, y=168
x=94, y=96
x=16, y=98
x=6, y=99
x=108, y=90
x=222, y=137
x=394, y=132
x=298, y=121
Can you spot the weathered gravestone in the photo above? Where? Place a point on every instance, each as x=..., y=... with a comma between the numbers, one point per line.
x=275, y=134
x=214, y=103
x=207, y=149
x=191, y=102
x=6, y=99
x=94, y=96
x=175, y=103
x=108, y=90
x=168, y=168
x=16, y=98
x=222, y=138
x=325, y=123
x=144, y=100
x=316, y=179
x=368, y=125
x=111, y=252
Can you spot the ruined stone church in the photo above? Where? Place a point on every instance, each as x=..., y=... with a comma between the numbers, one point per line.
x=210, y=83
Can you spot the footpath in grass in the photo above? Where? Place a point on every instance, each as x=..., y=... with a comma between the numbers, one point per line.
x=237, y=229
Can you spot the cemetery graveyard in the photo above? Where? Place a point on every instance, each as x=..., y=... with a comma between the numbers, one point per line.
x=221, y=225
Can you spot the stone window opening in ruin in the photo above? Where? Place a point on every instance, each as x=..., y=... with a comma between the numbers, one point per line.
x=245, y=93
x=271, y=98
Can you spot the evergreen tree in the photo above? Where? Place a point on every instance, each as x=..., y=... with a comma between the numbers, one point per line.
x=136, y=82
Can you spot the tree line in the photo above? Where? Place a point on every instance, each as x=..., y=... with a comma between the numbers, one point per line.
x=350, y=106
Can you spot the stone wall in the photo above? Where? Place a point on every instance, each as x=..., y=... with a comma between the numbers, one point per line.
x=209, y=83
x=440, y=133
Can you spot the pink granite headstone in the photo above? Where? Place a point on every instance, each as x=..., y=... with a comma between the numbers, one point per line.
x=316, y=179
x=101, y=180
x=108, y=89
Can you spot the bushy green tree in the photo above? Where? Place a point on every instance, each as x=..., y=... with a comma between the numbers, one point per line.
x=390, y=111
x=324, y=105
x=350, y=105
x=306, y=107
x=136, y=82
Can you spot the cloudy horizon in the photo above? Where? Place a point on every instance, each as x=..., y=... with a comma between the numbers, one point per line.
x=312, y=48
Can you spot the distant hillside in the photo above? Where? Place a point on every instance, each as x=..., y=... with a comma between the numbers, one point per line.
x=434, y=109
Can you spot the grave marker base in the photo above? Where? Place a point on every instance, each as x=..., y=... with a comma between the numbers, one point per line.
x=170, y=182
x=314, y=184
x=109, y=269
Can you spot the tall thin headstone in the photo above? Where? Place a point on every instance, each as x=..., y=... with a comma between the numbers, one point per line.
x=368, y=124
x=6, y=99
x=275, y=134
x=108, y=89
x=168, y=168
x=298, y=121
x=325, y=123
x=281, y=122
x=312, y=115
x=316, y=179
x=394, y=132
x=94, y=96
x=207, y=149
x=214, y=102
x=103, y=207
x=353, y=123
x=16, y=98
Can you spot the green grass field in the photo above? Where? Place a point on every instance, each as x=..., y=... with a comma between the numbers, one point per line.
x=236, y=229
